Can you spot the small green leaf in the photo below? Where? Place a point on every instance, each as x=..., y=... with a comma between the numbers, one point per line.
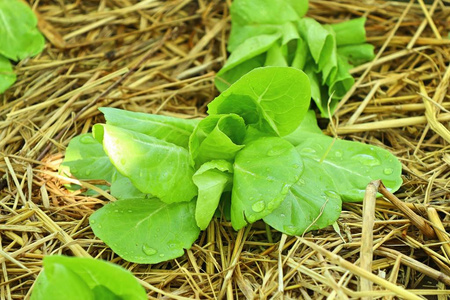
x=352, y=165
x=85, y=159
x=272, y=99
x=146, y=231
x=169, y=129
x=217, y=137
x=263, y=173
x=311, y=203
x=7, y=76
x=154, y=166
x=212, y=179
x=123, y=188
x=350, y=32
x=19, y=37
x=245, y=58
x=85, y=278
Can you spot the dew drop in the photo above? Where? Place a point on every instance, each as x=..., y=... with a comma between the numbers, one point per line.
x=285, y=189
x=276, y=150
x=332, y=194
x=116, y=210
x=88, y=172
x=289, y=229
x=301, y=182
x=271, y=205
x=251, y=218
x=123, y=161
x=92, y=222
x=130, y=211
x=258, y=206
x=338, y=153
x=367, y=160
x=141, y=173
x=282, y=215
x=295, y=166
x=388, y=171
x=99, y=226
x=162, y=255
x=148, y=250
x=308, y=151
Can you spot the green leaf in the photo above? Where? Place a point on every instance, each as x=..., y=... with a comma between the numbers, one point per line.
x=357, y=54
x=85, y=159
x=212, y=179
x=352, y=165
x=263, y=173
x=217, y=137
x=267, y=11
x=272, y=99
x=85, y=278
x=245, y=58
x=350, y=32
x=276, y=56
x=19, y=37
x=311, y=203
x=7, y=76
x=123, y=188
x=169, y=129
x=307, y=128
x=154, y=166
x=146, y=231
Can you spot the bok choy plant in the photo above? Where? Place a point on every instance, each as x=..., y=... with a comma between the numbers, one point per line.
x=259, y=153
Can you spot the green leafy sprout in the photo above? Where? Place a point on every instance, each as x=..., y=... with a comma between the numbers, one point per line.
x=258, y=155
x=280, y=35
x=75, y=278
x=19, y=38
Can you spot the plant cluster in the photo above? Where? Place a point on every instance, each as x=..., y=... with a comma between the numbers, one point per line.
x=19, y=38
x=280, y=35
x=259, y=154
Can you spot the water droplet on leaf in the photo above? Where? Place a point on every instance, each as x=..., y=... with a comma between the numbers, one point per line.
x=123, y=161
x=289, y=229
x=285, y=189
x=308, y=150
x=332, y=194
x=251, y=218
x=388, y=171
x=338, y=153
x=258, y=206
x=148, y=250
x=367, y=160
x=276, y=150
x=88, y=172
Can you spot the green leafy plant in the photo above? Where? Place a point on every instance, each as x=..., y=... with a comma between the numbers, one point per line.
x=19, y=38
x=258, y=155
x=85, y=278
x=279, y=35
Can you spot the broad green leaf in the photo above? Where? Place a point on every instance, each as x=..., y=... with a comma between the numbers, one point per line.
x=7, y=76
x=154, y=166
x=217, y=137
x=300, y=55
x=146, y=231
x=350, y=32
x=272, y=99
x=85, y=159
x=241, y=33
x=169, y=129
x=264, y=171
x=244, y=57
x=57, y=281
x=352, y=165
x=19, y=37
x=212, y=179
x=85, y=278
x=311, y=203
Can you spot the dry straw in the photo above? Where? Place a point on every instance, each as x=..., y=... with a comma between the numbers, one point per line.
x=173, y=48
